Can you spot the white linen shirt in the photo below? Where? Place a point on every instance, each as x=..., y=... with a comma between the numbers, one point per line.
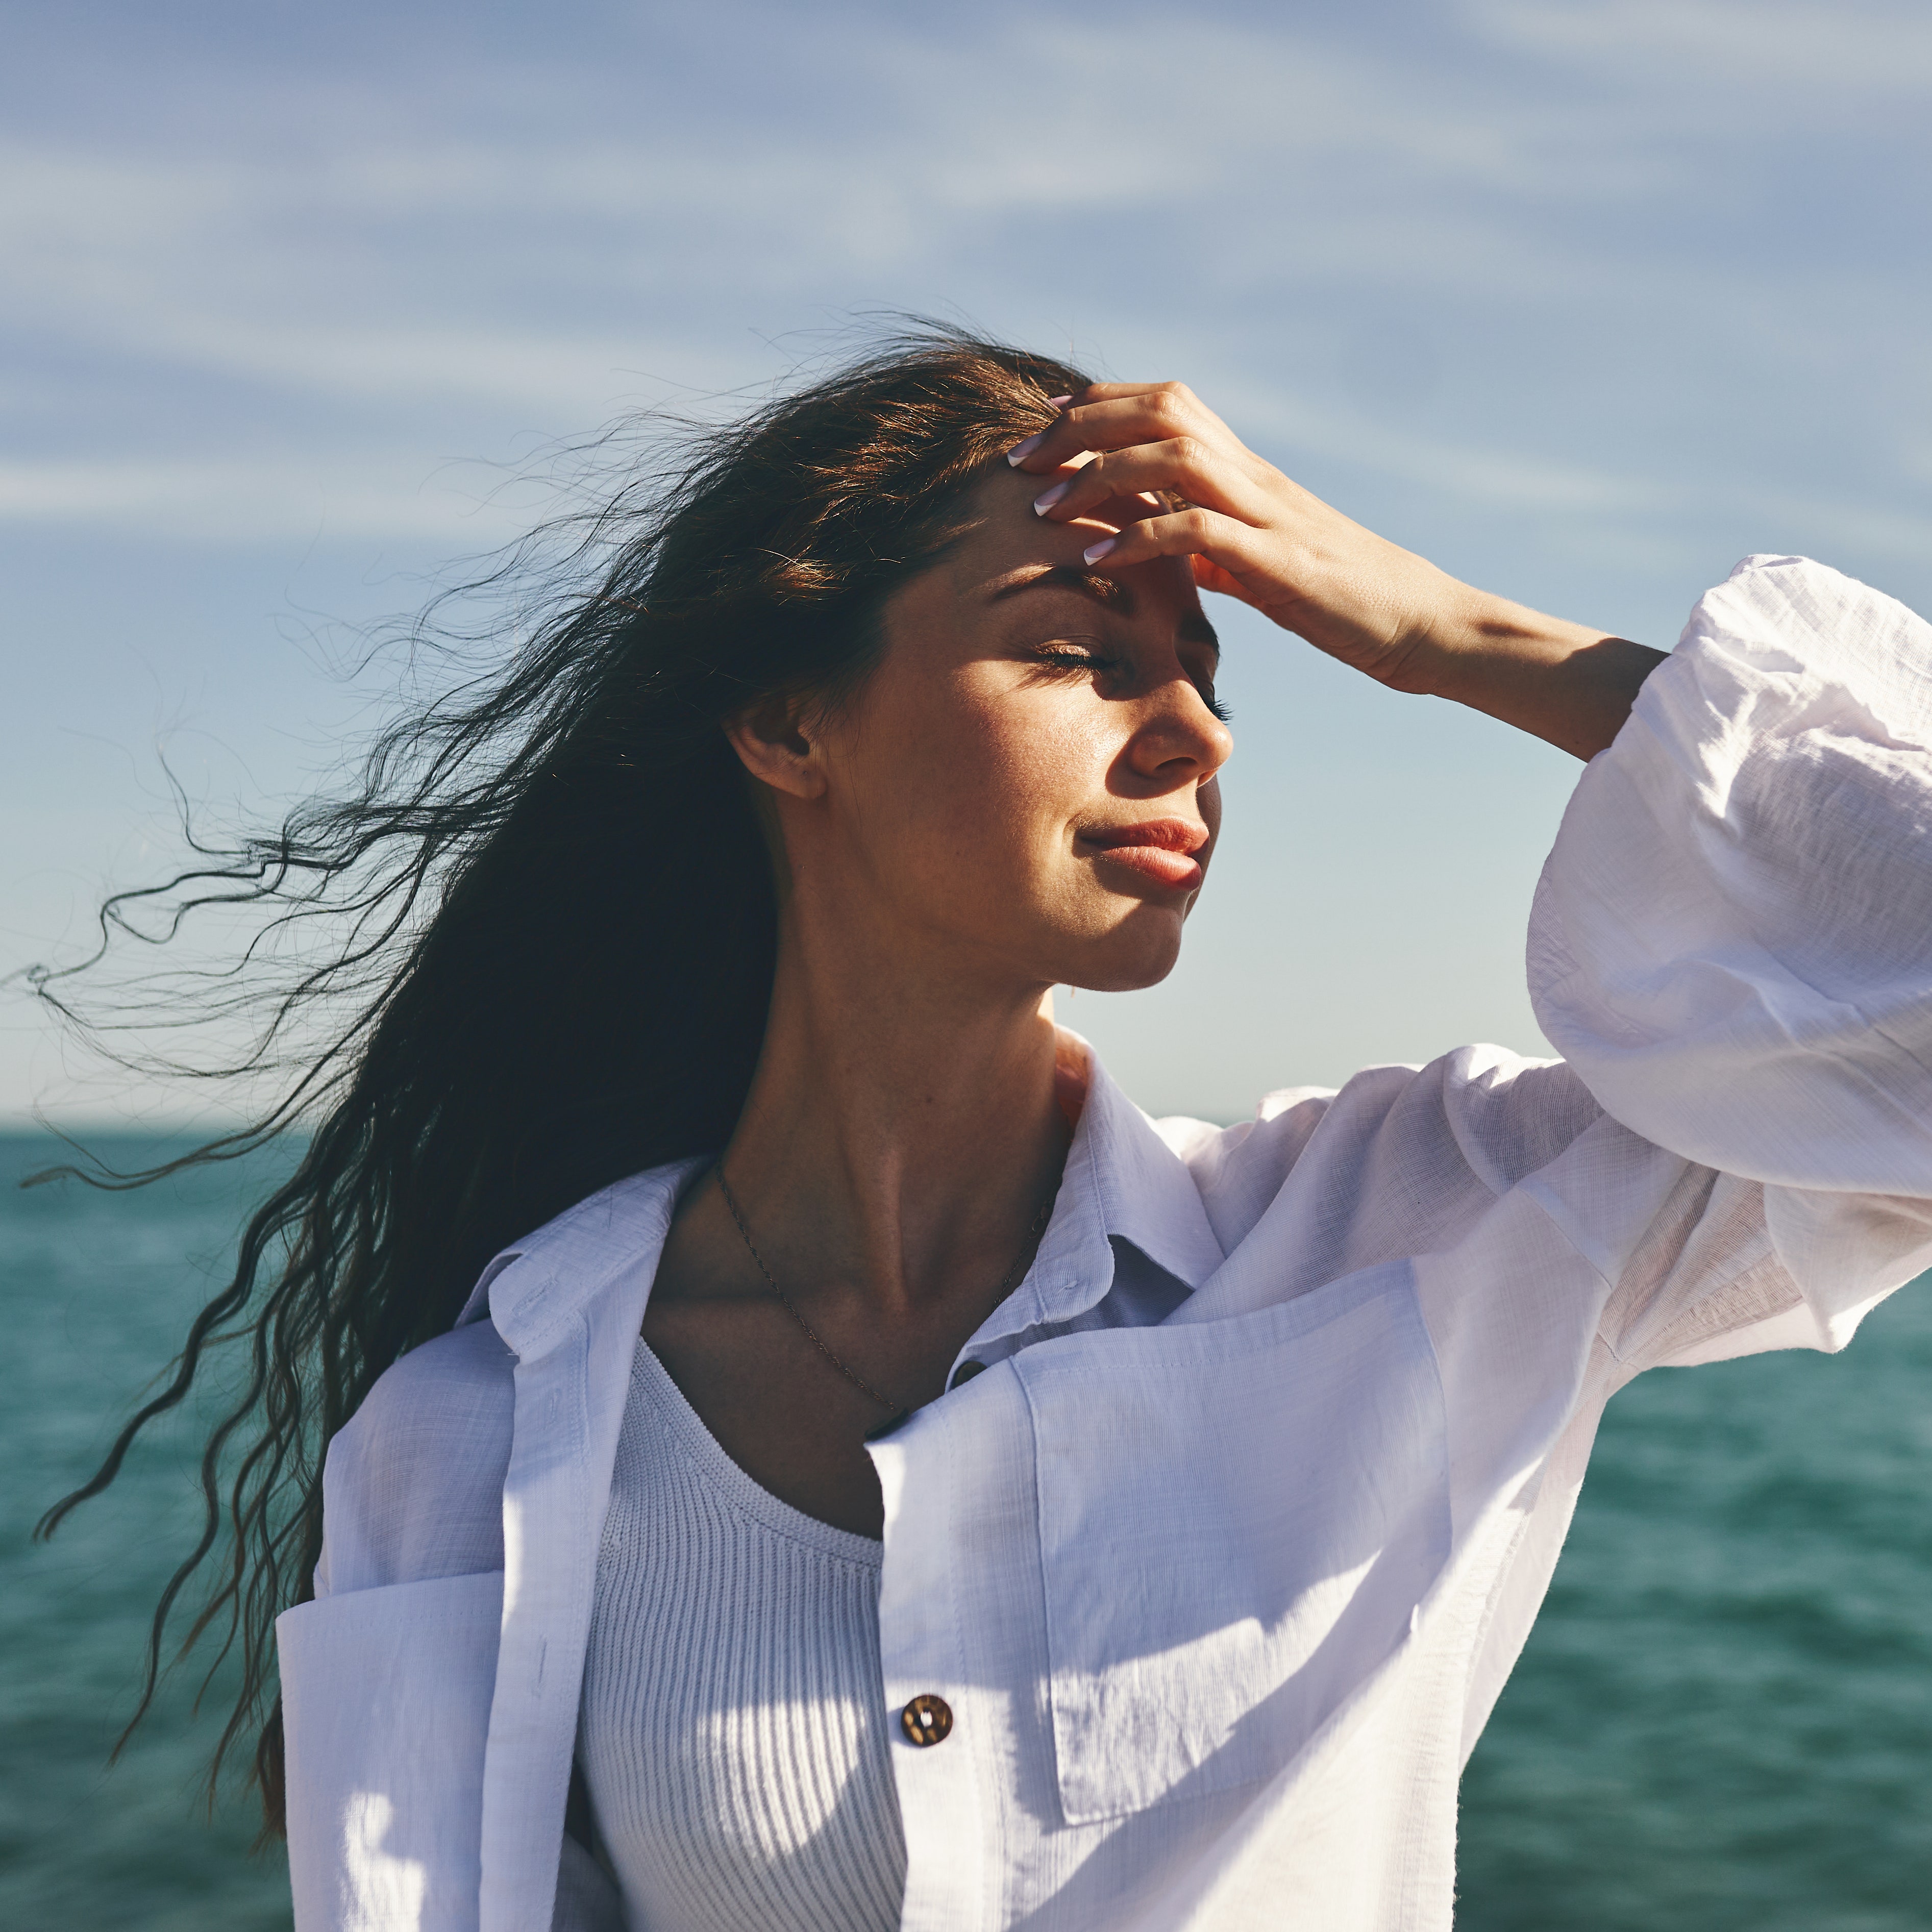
x=1221, y=1599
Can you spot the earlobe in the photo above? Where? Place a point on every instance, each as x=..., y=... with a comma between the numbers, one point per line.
x=774, y=744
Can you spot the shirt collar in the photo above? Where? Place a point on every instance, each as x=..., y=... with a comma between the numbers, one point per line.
x=533, y=1292
x=1121, y=1179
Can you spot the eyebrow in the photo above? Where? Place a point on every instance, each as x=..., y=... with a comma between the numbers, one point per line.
x=1106, y=590
x=1111, y=594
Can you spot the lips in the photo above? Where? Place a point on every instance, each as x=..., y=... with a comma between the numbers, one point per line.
x=1161, y=850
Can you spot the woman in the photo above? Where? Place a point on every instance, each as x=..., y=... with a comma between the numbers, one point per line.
x=882, y=1477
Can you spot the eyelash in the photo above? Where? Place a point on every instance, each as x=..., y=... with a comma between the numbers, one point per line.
x=1069, y=660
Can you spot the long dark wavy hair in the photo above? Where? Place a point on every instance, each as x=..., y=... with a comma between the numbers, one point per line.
x=540, y=928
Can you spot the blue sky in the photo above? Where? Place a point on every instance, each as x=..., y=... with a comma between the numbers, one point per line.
x=1583, y=300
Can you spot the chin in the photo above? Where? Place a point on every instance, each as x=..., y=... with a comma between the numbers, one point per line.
x=1117, y=967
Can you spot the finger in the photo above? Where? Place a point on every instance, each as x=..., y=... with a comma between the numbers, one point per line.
x=1226, y=541
x=1106, y=392
x=1183, y=466
x=1109, y=392
x=1151, y=415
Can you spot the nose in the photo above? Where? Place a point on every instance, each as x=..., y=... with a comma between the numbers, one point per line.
x=1181, y=741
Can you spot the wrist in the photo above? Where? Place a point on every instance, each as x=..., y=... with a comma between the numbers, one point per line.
x=1571, y=685
x=1477, y=640
x=1457, y=635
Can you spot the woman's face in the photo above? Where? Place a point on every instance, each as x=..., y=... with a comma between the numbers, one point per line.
x=1024, y=791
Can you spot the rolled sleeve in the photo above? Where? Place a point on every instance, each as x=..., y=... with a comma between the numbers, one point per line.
x=1731, y=943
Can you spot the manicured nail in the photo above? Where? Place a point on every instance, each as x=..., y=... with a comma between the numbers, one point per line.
x=1095, y=552
x=1046, y=500
x=1058, y=402
x=1020, y=451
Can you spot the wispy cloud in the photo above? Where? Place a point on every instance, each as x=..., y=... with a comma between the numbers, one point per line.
x=388, y=278
x=1588, y=295
x=242, y=500
x=1832, y=62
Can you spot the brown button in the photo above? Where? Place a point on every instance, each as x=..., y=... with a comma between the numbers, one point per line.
x=927, y=1720
x=967, y=1371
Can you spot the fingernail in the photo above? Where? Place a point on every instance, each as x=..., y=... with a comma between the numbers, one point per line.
x=1095, y=552
x=1058, y=402
x=1020, y=451
x=1046, y=500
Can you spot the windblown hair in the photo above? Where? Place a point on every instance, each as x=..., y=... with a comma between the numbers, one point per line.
x=560, y=925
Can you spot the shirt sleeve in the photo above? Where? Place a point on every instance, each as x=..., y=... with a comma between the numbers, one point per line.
x=1732, y=940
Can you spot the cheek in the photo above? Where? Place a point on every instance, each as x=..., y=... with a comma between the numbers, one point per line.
x=1041, y=770
x=989, y=788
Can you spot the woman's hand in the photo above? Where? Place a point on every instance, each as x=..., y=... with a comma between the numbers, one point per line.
x=1254, y=534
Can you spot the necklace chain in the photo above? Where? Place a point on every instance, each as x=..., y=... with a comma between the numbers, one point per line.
x=811, y=1334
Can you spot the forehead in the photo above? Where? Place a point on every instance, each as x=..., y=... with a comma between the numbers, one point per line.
x=1003, y=553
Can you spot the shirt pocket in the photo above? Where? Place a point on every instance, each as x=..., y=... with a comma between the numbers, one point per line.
x=1238, y=1520
x=385, y=1703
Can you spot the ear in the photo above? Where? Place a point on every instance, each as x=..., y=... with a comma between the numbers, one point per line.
x=775, y=743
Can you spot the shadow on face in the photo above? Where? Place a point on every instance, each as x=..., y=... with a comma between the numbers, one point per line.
x=1024, y=790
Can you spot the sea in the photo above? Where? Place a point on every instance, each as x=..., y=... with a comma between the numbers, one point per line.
x=1723, y=1719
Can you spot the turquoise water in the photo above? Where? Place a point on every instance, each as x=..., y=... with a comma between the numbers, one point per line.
x=1724, y=1719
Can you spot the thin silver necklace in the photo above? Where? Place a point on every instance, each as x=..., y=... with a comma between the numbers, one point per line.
x=811, y=1335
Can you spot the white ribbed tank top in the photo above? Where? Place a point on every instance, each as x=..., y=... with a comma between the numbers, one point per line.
x=733, y=1733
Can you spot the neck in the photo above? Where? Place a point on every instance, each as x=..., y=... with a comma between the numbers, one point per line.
x=902, y=1129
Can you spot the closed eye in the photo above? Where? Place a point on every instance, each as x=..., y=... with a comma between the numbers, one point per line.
x=1076, y=657
x=1082, y=658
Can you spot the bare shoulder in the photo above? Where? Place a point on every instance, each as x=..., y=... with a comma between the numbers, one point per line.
x=413, y=1486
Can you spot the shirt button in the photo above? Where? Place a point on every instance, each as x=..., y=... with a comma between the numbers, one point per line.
x=927, y=1720
x=966, y=1372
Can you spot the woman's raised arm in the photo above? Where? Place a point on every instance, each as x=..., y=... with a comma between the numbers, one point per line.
x=1257, y=535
